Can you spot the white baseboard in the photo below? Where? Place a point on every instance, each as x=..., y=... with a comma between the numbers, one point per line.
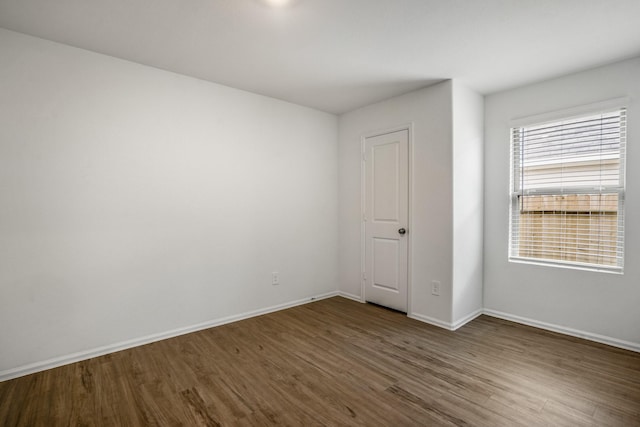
x=446, y=325
x=111, y=348
x=350, y=296
x=466, y=319
x=430, y=320
x=100, y=351
x=614, y=342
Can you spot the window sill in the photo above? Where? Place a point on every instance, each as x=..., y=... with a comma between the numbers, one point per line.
x=568, y=265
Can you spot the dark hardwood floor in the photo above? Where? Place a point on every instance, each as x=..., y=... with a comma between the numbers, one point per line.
x=338, y=362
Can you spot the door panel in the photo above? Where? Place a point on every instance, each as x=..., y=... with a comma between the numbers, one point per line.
x=385, y=182
x=386, y=212
x=385, y=272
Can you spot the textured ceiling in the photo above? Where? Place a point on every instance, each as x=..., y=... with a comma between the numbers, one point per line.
x=337, y=55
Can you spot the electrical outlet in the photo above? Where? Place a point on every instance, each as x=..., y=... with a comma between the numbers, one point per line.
x=275, y=278
x=435, y=288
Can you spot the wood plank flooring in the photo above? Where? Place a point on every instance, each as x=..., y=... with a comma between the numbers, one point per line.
x=338, y=362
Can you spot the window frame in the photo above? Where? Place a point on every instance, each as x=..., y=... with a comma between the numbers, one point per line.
x=603, y=107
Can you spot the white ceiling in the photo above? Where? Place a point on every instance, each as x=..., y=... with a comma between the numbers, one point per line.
x=337, y=55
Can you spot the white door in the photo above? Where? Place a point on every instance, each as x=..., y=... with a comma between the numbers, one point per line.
x=386, y=216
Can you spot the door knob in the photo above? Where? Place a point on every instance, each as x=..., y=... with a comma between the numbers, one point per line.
x=402, y=231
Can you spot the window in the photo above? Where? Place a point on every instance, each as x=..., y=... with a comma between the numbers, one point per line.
x=567, y=191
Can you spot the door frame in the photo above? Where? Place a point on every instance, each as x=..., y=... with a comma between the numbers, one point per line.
x=409, y=128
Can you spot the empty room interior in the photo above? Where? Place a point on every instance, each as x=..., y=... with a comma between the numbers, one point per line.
x=320, y=212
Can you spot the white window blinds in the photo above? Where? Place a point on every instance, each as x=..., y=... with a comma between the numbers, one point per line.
x=567, y=191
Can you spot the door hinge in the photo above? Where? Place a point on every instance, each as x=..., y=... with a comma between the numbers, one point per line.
x=364, y=276
x=364, y=217
x=364, y=157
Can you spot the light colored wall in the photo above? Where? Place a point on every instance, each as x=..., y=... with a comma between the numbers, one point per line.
x=467, y=167
x=430, y=111
x=596, y=303
x=135, y=201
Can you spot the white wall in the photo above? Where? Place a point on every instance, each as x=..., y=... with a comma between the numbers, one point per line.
x=467, y=164
x=430, y=112
x=599, y=304
x=135, y=201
